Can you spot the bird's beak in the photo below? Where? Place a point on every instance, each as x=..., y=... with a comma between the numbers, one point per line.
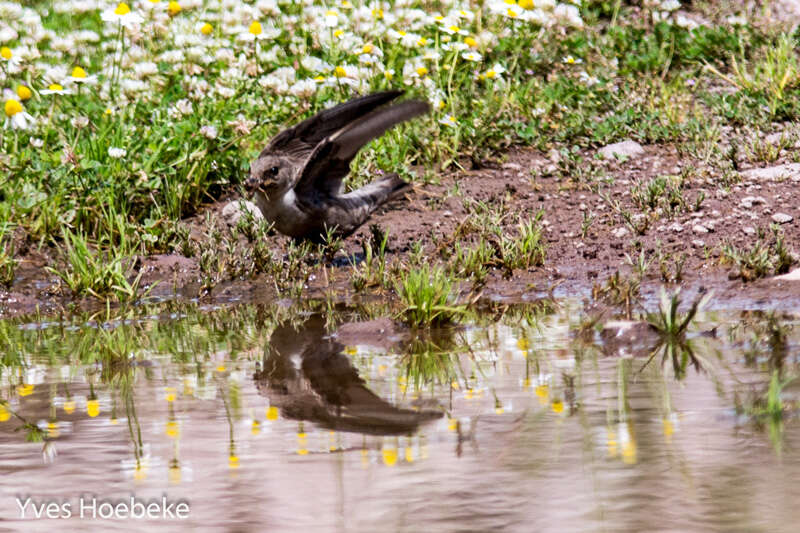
x=251, y=184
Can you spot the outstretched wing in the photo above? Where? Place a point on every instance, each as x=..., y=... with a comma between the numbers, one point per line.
x=300, y=140
x=329, y=163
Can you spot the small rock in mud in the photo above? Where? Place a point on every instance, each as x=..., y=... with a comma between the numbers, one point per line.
x=782, y=218
x=232, y=212
x=789, y=170
x=619, y=232
x=676, y=227
x=794, y=275
x=699, y=228
x=626, y=149
x=749, y=201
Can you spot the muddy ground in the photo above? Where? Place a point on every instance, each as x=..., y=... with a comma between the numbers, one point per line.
x=580, y=255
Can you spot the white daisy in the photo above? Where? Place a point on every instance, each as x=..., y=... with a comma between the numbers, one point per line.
x=122, y=15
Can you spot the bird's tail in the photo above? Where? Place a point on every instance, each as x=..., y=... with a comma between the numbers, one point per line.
x=367, y=199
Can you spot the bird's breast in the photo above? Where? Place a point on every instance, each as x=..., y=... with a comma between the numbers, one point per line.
x=287, y=216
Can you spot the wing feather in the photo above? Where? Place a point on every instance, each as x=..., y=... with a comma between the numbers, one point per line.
x=329, y=163
x=300, y=140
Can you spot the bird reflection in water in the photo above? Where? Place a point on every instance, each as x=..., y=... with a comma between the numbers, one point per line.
x=306, y=374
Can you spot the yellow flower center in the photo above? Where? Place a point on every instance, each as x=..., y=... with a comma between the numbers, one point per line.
x=5, y=52
x=389, y=456
x=422, y=41
x=557, y=406
x=367, y=49
x=4, y=414
x=340, y=72
x=233, y=461
x=122, y=9
x=469, y=41
x=401, y=33
x=388, y=75
x=173, y=8
x=55, y=87
x=171, y=429
x=526, y=4
x=23, y=92
x=69, y=407
x=255, y=28
x=78, y=72
x=338, y=33
x=454, y=28
x=272, y=413
x=491, y=74
x=510, y=2
x=421, y=71
x=377, y=13
x=206, y=29
x=511, y=13
x=93, y=408
x=12, y=107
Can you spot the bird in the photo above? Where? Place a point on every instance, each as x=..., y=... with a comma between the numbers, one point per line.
x=307, y=375
x=296, y=181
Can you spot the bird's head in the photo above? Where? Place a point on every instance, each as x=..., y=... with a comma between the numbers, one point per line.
x=270, y=176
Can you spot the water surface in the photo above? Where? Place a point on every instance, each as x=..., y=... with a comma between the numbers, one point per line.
x=526, y=418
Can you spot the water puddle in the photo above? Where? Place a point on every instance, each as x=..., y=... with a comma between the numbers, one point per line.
x=524, y=418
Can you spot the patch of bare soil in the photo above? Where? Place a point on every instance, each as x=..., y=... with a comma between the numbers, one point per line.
x=587, y=237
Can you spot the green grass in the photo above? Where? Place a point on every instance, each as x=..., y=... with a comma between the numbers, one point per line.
x=631, y=78
x=764, y=257
x=426, y=295
x=90, y=272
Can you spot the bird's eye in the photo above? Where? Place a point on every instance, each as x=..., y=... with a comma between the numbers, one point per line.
x=274, y=171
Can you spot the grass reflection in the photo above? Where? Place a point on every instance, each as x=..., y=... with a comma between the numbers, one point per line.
x=110, y=368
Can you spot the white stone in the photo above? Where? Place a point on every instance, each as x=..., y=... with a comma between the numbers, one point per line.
x=782, y=218
x=233, y=211
x=749, y=201
x=676, y=227
x=626, y=149
x=699, y=228
x=620, y=232
x=794, y=275
x=788, y=171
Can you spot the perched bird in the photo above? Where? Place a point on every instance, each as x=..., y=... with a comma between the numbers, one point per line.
x=297, y=179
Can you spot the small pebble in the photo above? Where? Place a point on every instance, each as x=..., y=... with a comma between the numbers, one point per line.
x=782, y=218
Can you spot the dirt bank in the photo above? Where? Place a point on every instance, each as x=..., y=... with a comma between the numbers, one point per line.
x=599, y=217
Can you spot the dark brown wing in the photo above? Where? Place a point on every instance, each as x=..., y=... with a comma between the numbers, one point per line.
x=300, y=140
x=329, y=163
